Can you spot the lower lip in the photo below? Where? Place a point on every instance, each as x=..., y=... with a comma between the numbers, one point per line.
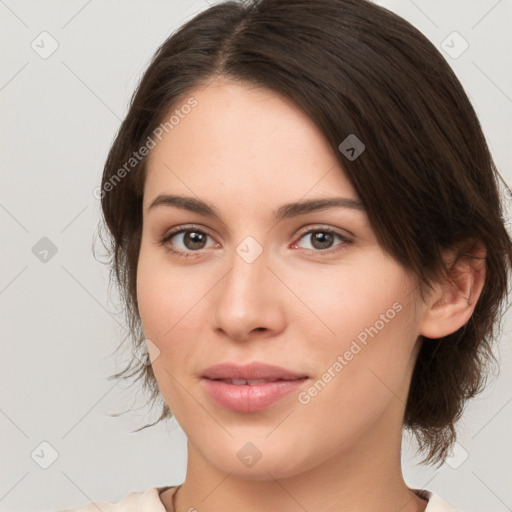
x=246, y=398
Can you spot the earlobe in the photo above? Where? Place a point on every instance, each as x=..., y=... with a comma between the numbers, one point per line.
x=453, y=301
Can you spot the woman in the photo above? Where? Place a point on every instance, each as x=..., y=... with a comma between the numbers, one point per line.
x=306, y=228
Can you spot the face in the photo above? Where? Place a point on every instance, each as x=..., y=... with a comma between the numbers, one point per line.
x=244, y=281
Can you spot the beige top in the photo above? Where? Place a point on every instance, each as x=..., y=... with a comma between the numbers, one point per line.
x=149, y=501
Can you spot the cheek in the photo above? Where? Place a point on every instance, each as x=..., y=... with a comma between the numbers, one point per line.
x=152, y=296
x=372, y=324
x=359, y=383
x=165, y=300
x=348, y=301
x=165, y=294
x=174, y=307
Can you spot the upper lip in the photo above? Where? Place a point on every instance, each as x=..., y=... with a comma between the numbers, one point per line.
x=252, y=371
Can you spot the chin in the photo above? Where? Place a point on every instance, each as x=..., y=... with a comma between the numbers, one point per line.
x=267, y=463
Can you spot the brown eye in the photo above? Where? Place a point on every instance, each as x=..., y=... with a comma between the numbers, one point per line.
x=194, y=240
x=323, y=239
x=186, y=241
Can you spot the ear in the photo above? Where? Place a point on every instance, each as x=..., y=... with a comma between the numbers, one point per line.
x=453, y=301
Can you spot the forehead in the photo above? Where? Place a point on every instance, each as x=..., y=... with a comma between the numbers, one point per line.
x=245, y=143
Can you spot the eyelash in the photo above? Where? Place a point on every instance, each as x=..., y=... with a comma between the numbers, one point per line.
x=194, y=254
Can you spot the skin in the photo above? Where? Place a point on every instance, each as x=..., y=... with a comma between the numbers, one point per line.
x=246, y=151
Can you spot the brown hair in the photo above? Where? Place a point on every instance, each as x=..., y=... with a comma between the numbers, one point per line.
x=426, y=177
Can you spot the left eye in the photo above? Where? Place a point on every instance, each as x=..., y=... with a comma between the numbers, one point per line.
x=322, y=239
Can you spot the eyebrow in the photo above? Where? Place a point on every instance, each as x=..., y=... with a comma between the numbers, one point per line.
x=284, y=212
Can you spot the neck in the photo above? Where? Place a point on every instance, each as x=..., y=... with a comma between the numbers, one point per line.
x=365, y=478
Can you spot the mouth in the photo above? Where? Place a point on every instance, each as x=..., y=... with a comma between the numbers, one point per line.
x=249, y=388
x=252, y=372
x=250, y=382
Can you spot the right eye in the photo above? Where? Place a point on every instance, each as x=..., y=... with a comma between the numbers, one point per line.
x=189, y=240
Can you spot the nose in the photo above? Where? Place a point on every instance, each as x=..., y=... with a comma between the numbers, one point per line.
x=247, y=301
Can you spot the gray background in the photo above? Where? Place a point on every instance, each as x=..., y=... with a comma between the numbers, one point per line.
x=58, y=325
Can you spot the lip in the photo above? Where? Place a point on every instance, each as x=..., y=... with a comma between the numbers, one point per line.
x=249, y=397
x=251, y=371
